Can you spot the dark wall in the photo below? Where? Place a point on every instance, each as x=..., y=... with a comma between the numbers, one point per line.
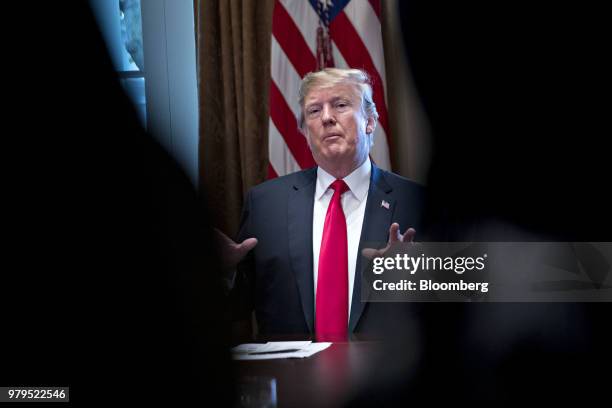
x=515, y=94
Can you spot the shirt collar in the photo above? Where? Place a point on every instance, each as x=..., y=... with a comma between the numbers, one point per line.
x=358, y=181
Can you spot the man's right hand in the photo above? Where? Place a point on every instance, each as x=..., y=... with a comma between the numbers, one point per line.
x=231, y=252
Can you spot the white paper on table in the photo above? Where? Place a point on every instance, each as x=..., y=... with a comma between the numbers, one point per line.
x=304, y=349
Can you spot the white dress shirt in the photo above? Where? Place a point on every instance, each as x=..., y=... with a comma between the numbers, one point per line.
x=353, y=205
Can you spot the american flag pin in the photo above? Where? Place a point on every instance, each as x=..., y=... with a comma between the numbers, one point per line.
x=384, y=204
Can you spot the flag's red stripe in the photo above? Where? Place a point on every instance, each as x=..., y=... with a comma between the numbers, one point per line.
x=285, y=122
x=357, y=56
x=291, y=41
x=271, y=172
x=376, y=6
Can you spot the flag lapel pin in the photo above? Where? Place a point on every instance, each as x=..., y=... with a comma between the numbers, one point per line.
x=384, y=204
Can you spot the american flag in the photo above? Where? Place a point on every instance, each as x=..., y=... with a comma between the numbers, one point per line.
x=308, y=35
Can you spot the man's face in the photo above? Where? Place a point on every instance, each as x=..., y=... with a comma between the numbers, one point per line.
x=336, y=126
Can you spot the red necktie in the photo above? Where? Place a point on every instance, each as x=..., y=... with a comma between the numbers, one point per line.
x=331, y=316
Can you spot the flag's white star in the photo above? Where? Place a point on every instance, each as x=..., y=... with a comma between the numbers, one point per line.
x=325, y=4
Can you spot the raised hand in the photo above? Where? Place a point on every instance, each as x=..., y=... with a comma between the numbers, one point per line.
x=395, y=236
x=231, y=252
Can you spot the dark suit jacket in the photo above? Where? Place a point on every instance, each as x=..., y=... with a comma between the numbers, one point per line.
x=276, y=279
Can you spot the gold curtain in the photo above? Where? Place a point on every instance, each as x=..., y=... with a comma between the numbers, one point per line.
x=233, y=50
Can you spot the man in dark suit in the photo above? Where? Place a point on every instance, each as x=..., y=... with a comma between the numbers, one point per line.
x=303, y=276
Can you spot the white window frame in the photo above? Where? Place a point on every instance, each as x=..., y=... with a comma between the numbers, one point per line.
x=170, y=82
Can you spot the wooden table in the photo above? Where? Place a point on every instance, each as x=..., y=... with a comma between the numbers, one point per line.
x=326, y=379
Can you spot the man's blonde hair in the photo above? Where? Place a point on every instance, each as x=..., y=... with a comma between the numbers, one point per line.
x=333, y=76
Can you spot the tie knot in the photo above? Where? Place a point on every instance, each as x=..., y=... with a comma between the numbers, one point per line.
x=339, y=186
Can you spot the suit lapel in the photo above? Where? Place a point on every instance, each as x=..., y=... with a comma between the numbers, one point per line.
x=301, y=202
x=375, y=229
